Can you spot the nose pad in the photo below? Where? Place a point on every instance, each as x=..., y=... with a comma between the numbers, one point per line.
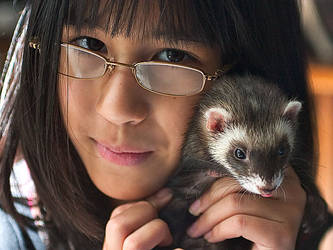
x=110, y=68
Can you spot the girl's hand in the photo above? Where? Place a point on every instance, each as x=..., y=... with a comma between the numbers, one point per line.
x=270, y=223
x=136, y=226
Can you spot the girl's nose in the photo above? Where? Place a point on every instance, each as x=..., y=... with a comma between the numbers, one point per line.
x=122, y=101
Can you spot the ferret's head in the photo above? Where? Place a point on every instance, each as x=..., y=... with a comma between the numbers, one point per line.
x=255, y=151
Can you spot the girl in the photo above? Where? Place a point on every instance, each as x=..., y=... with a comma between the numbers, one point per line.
x=105, y=92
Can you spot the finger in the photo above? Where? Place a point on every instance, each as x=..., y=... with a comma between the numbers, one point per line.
x=265, y=234
x=161, y=198
x=157, y=200
x=152, y=234
x=290, y=189
x=121, y=208
x=123, y=224
x=238, y=203
x=291, y=186
x=291, y=175
x=217, y=191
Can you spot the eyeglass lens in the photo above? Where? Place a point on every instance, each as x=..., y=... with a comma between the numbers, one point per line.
x=169, y=79
x=80, y=64
x=158, y=77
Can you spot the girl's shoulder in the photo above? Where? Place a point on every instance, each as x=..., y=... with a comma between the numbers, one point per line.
x=12, y=235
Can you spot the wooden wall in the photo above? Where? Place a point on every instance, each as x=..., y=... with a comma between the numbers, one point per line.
x=321, y=79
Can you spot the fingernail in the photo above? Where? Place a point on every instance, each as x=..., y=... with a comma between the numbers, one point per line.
x=208, y=235
x=191, y=231
x=164, y=193
x=195, y=208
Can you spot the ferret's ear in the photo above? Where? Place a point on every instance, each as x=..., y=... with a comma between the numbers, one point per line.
x=216, y=119
x=292, y=110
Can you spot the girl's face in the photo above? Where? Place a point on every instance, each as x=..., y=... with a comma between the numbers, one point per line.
x=128, y=138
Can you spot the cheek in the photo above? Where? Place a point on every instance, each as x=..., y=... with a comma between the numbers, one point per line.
x=62, y=94
x=77, y=103
x=174, y=116
x=164, y=127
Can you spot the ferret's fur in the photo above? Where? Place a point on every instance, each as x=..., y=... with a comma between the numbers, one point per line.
x=244, y=128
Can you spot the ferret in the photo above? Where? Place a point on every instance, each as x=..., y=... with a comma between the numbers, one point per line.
x=244, y=128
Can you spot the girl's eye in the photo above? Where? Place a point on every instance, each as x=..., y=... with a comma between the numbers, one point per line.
x=90, y=43
x=173, y=56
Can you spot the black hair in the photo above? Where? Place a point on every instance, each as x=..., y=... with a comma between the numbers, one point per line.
x=260, y=37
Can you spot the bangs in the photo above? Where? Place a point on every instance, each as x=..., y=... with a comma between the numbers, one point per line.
x=170, y=20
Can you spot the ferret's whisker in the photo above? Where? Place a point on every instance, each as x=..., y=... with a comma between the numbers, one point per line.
x=284, y=193
x=243, y=194
x=298, y=159
x=234, y=185
x=256, y=196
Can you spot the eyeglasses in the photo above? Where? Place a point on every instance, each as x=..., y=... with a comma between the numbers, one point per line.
x=158, y=77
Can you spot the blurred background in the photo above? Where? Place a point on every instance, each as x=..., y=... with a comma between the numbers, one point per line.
x=318, y=26
x=8, y=18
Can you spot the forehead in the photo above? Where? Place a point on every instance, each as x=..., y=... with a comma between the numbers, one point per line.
x=272, y=134
x=141, y=19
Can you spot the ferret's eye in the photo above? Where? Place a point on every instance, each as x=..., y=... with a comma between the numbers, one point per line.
x=281, y=151
x=240, y=154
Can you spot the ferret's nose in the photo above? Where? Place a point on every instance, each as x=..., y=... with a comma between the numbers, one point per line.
x=266, y=191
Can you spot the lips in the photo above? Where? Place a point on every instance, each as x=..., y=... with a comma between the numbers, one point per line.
x=123, y=155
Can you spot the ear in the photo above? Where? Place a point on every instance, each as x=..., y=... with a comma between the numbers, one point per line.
x=292, y=110
x=216, y=119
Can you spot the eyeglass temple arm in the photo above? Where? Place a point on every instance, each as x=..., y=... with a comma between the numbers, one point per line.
x=219, y=72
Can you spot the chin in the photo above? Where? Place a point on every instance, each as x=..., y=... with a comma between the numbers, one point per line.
x=132, y=192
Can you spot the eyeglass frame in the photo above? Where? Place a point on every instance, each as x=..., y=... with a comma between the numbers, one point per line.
x=111, y=65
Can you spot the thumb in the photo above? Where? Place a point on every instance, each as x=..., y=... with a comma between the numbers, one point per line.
x=161, y=198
